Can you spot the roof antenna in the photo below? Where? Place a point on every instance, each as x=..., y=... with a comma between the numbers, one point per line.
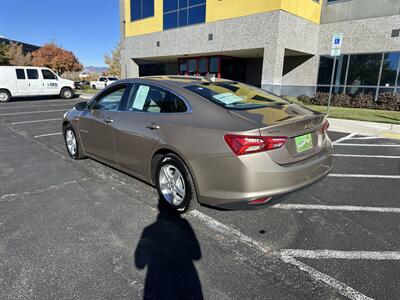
x=210, y=77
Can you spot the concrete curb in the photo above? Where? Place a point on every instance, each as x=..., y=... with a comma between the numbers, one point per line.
x=86, y=96
x=366, y=128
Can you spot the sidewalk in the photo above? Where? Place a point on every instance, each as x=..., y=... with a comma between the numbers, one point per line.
x=86, y=96
x=366, y=128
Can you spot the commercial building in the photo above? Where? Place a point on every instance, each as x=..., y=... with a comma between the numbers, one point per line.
x=26, y=48
x=283, y=46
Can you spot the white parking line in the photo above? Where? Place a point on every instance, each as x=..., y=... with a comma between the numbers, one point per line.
x=48, y=134
x=237, y=236
x=337, y=208
x=33, y=112
x=334, y=254
x=34, y=106
x=35, y=121
x=344, y=138
x=365, y=176
x=366, y=145
x=366, y=156
x=339, y=286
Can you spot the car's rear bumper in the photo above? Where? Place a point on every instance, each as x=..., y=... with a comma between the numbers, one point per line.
x=234, y=182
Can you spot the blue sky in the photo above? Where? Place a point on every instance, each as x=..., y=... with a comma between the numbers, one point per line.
x=89, y=28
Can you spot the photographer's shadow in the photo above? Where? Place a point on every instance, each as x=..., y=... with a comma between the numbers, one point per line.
x=167, y=248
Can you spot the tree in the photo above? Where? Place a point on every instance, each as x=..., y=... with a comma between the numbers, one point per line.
x=16, y=55
x=56, y=58
x=4, y=60
x=113, y=60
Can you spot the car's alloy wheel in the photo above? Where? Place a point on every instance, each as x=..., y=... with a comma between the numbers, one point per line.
x=66, y=93
x=172, y=185
x=175, y=184
x=70, y=141
x=4, y=96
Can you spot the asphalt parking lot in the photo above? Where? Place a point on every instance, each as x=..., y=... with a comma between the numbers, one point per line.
x=79, y=229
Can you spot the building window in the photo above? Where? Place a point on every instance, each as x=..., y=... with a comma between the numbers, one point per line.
x=141, y=9
x=373, y=73
x=179, y=13
x=364, y=69
x=389, y=69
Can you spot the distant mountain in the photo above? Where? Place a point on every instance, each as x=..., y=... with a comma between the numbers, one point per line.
x=93, y=69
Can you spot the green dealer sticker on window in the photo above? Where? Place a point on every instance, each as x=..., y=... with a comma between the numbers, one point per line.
x=303, y=142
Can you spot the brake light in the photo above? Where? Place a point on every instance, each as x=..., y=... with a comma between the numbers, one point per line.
x=325, y=127
x=242, y=144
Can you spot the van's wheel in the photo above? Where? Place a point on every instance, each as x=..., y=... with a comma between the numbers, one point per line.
x=71, y=142
x=93, y=87
x=5, y=96
x=175, y=184
x=66, y=93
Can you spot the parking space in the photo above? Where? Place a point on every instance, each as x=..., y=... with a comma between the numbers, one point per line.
x=75, y=226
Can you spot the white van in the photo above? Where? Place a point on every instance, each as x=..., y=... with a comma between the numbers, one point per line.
x=32, y=81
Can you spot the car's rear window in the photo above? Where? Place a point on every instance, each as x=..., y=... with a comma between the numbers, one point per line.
x=234, y=95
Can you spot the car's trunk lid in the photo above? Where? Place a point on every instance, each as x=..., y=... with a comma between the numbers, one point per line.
x=292, y=121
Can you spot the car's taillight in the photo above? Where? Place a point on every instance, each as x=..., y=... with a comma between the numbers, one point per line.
x=325, y=127
x=243, y=144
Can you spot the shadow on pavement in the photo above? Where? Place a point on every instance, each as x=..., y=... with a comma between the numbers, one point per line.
x=40, y=98
x=168, y=248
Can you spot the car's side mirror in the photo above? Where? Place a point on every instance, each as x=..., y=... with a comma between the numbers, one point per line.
x=82, y=106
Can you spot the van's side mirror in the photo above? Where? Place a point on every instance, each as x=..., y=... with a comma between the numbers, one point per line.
x=82, y=106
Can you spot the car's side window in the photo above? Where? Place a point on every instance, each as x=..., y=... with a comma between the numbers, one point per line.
x=148, y=98
x=110, y=101
x=20, y=73
x=47, y=74
x=102, y=79
x=32, y=73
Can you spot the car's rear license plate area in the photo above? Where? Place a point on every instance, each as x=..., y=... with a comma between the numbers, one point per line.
x=303, y=142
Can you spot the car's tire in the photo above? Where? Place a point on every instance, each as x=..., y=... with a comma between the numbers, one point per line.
x=66, y=93
x=5, y=96
x=74, y=148
x=93, y=87
x=177, y=192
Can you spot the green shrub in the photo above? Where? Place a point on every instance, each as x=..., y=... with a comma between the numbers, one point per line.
x=386, y=101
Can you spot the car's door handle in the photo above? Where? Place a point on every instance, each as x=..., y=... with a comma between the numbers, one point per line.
x=108, y=120
x=153, y=126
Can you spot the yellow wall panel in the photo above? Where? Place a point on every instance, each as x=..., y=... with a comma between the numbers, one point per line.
x=144, y=26
x=217, y=10
x=307, y=9
x=225, y=9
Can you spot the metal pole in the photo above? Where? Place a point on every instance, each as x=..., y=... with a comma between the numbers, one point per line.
x=330, y=88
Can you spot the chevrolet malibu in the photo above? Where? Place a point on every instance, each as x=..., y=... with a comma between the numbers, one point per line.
x=215, y=142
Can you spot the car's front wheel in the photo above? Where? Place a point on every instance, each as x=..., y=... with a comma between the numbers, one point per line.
x=175, y=184
x=67, y=93
x=71, y=142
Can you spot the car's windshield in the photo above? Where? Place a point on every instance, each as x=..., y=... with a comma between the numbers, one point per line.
x=234, y=95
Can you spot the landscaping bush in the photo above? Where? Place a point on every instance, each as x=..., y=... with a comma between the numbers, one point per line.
x=386, y=101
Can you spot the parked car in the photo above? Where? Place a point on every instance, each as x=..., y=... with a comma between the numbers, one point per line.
x=102, y=82
x=220, y=143
x=80, y=85
x=32, y=81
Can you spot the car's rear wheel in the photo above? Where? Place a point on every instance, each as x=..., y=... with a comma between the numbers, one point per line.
x=5, y=96
x=93, y=87
x=66, y=93
x=71, y=142
x=175, y=184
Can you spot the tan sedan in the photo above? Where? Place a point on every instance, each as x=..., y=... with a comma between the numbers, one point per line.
x=217, y=142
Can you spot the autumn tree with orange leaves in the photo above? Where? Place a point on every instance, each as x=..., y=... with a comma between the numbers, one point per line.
x=56, y=58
